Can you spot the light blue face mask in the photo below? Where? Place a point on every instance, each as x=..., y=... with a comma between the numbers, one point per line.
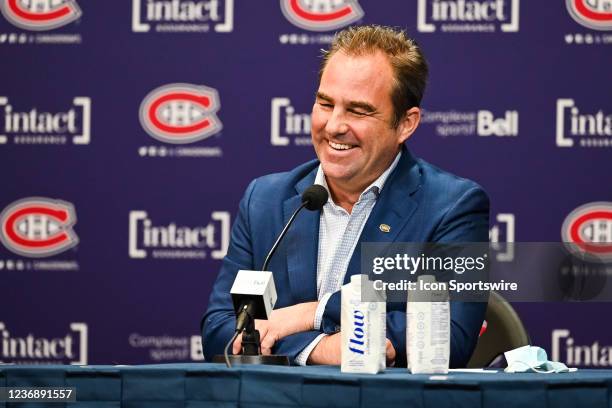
x=532, y=359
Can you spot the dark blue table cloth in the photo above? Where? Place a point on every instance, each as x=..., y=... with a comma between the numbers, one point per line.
x=214, y=385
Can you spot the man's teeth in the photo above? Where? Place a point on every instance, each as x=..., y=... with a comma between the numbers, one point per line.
x=339, y=146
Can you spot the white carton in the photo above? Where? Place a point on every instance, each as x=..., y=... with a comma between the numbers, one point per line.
x=428, y=328
x=364, y=328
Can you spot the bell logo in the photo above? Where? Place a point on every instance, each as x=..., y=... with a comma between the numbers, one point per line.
x=489, y=125
x=181, y=113
x=595, y=14
x=321, y=15
x=41, y=15
x=38, y=227
x=588, y=230
x=196, y=348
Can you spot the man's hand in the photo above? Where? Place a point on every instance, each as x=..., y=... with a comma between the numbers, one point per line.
x=282, y=323
x=328, y=351
x=390, y=353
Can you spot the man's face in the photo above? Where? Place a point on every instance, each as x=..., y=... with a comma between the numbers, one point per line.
x=352, y=120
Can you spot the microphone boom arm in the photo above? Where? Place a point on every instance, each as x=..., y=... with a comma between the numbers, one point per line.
x=280, y=237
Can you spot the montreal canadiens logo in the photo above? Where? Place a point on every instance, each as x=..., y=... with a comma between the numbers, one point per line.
x=40, y=15
x=181, y=113
x=593, y=14
x=38, y=227
x=588, y=230
x=323, y=15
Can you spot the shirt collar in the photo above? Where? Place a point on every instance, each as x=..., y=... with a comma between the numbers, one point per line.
x=375, y=187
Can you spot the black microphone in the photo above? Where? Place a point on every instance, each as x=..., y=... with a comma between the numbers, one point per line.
x=253, y=307
x=314, y=198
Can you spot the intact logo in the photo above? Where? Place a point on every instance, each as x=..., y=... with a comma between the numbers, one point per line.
x=588, y=231
x=186, y=16
x=35, y=126
x=181, y=113
x=40, y=15
x=594, y=14
x=468, y=15
x=287, y=126
x=69, y=348
x=321, y=15
x=565, y=349
x=174, y=241
x=501, y=236
x=38, y=227
x=588, y=129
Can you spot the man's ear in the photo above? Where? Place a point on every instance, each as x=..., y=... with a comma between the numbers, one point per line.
x=409, y=123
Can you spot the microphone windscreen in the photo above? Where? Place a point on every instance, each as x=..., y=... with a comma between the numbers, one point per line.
x=315, y=197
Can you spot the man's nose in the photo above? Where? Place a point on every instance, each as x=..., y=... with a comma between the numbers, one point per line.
x=336, y=124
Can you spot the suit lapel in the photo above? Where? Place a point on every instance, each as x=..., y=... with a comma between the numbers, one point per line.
x=394, y=207
x=302, y=244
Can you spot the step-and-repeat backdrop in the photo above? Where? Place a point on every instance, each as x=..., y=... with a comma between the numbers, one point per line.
x=129, y=130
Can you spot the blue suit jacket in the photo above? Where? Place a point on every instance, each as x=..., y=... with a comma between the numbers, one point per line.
x=420, y=202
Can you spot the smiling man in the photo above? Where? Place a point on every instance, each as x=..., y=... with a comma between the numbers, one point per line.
x=367, y=105
x=354, y=129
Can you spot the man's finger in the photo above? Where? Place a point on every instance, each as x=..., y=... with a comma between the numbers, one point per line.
x=263, y=330
x=269, y=341
x=390, y=352
x=237, y=346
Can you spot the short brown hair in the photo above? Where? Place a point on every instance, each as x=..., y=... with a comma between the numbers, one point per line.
x=406, y=58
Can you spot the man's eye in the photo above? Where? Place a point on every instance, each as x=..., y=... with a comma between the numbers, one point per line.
x=326, y=105
x=357, y=112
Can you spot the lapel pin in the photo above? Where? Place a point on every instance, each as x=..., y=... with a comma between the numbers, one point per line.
x=384, y=228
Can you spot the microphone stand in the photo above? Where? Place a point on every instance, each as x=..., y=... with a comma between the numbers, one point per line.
x=251, y=345
x=251, y=350
x=313, y=199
